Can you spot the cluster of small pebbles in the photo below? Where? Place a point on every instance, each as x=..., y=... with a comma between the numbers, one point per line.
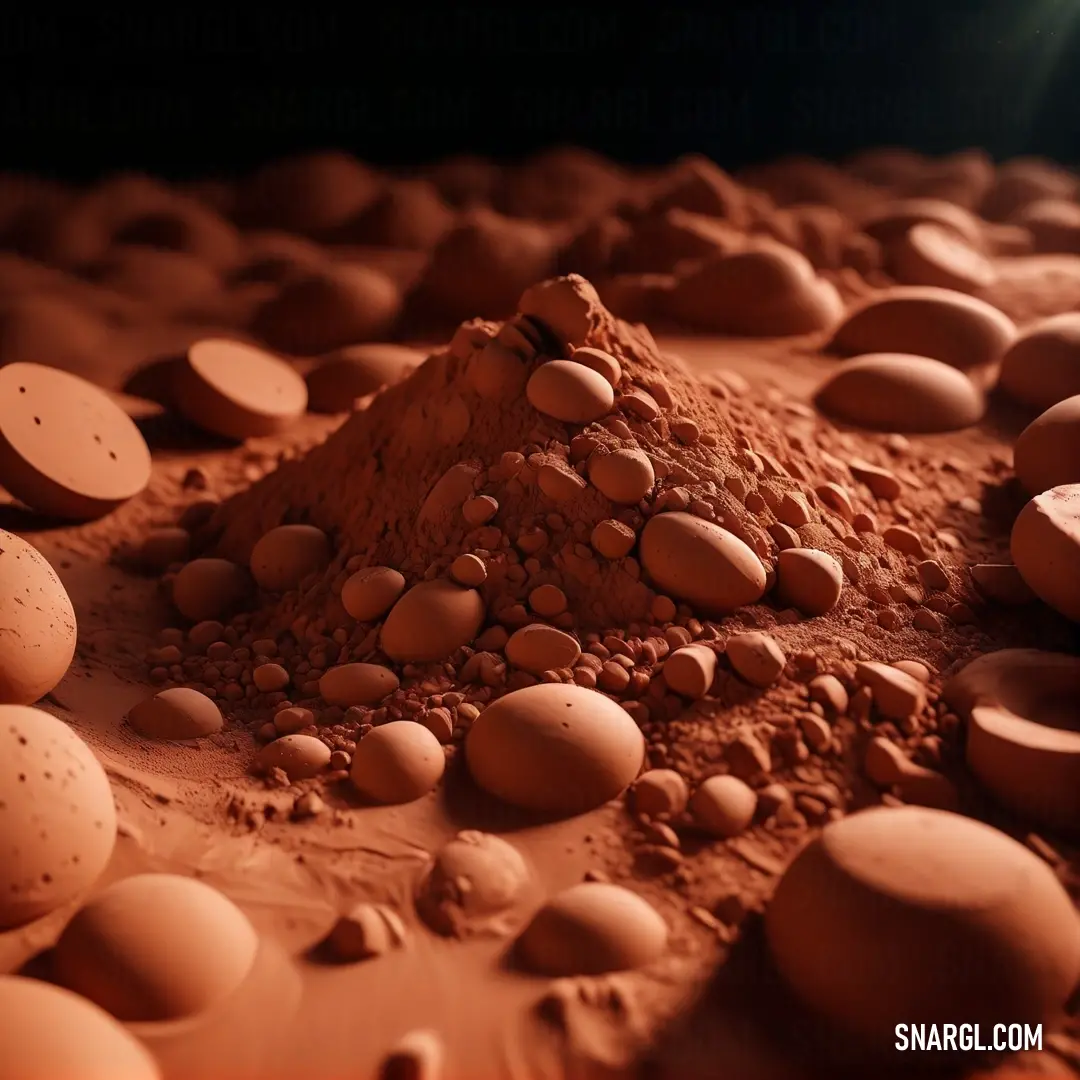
x=551, y=554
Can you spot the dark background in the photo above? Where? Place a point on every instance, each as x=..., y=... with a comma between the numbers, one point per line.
x=185, y=94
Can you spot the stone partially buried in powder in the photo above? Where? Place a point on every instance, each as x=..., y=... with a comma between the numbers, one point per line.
x=333, y=306
x=365, y=931
x=624, y=476
x=809, y=580
x=431, y=621
x=66, y=449
x=355, y=371
x=287, y=554
x=210, y=589
x=537, y=648
x=570, y=392
x=236, y=390
x=357, y=684
x=592, y=929
x=922, y=321
x=554, y=748
x=1045, y=546
x=927, y=915
x=176, y=713
x=370, y=593
x=397, y=762
x=756, y=657
x=36, y=611
x=299, y=757
x=475, y=885
x=156, y=947
x=58, y=821
x=895, y=392
x=47, y=1032
x=701, y=563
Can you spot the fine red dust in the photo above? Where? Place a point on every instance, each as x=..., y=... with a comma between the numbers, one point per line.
x=661, y=670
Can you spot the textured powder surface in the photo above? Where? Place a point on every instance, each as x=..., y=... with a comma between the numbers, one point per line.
x=732, y=438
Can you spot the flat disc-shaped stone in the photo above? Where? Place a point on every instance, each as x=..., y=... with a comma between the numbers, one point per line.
x=66, y=449
x=237, y=390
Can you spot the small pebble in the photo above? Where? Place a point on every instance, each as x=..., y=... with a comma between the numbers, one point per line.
x=723, y=806
x=756, y=657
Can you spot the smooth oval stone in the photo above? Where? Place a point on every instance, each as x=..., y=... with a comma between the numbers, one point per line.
x=1047, y=453
x=923, y=321
x=896, y=392
x=156, y=947
x=701, y=563
x=1042, y=367
x=570, y=392
x=176, y=713
x=592, y=929
x=926, y=915
x=47, y=1033
x=430, y=621
x=554, y=748
x=357, y=684
x=537, y=648
x=58, y=818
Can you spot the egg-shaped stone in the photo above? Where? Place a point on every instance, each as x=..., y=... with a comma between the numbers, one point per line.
x=554, y=748
x=537, y=648
x=397, y=762
x=927, y=915
x=299, y=757
x=210, y=589
x=592, y=929
x=809, y=580
x=701, y=563
x=176, y=713
x=36, y=612
x=156, y=947
x=1047, y=453
x=357, y=684
x=370, y=593
x=49, y=1033
x=624, y=476
x=287, y=554
x=1042, y=367
x=475, y=885
x=769, y=290
x=724, y=805
x=57, y=815
x=570, y=392
x=944, y=325
x=1045, y=547
x=895, y=392
x=430, y=621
